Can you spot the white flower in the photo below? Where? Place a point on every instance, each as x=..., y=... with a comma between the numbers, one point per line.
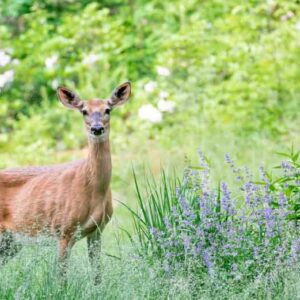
x=150, y=86
x=6, y=78
x=163, y=95
x=90, y=59
x=166, y=106
x=51, y=61
x=149, y=113
x=15, y=61
x=288, y=16
x=297, y=25
x=54, y=84
x=4, y=59
x=163, y=71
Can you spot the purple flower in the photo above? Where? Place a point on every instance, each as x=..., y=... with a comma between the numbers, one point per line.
x=264, y=174
x=268, y=213
x=286, y=165
x=198, y=248
x=186, y=243
x=295, y=249
x=175, y=212
x=226, y=202
x=183, y=204
x=282, y=201
x=202, y=159
x=154, y=232
x=167, y=223
x=256, y=252
x=188, y=223
x=207, y=259
x=230, y=238
x=228, y=159
x=248, y=192
x=267, y=198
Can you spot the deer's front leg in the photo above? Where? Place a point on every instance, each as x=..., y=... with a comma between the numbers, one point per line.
x=64, y=251
x=94, y=251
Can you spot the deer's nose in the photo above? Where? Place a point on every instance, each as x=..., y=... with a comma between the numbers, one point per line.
x=97, y=129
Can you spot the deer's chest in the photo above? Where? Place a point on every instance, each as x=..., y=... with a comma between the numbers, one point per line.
x=99, y=214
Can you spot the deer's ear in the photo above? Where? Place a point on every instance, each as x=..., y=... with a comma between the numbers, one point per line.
x=69, y=98
x=120, y=95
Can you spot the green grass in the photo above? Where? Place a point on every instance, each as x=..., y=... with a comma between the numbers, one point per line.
x=33, y=275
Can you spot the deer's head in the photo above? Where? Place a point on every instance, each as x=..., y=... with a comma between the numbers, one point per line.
x=96, y=112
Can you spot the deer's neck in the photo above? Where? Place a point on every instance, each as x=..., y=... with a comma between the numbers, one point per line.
x=99, y=165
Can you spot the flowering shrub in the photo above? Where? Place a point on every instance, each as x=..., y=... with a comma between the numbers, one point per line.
x=189, y=224
x=94, y=45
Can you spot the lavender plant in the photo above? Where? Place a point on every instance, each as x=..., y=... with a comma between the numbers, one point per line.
x=191, y=224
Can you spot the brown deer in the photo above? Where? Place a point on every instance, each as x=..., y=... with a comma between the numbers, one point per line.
x=68, y=199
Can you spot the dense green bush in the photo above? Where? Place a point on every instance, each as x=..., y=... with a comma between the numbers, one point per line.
x=220, y=63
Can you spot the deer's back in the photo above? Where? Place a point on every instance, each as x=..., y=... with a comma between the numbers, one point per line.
x=39, y=197
x=18, y=176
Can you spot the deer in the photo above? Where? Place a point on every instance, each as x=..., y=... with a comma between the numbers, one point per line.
x=66, y=200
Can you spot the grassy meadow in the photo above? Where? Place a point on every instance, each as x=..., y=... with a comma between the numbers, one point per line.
x=209, y=79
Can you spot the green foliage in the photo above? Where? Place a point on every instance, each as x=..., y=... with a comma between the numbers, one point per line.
x=288, y=183
x=227, y=62
x=161, y=198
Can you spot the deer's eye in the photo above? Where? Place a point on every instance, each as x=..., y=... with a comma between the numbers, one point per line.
x=84, y=112
x=107, y=111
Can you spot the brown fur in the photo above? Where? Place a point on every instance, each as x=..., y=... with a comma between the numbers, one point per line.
x=65, y=199
x=59, y=198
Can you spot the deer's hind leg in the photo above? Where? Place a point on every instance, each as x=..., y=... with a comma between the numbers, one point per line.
x=9, y=247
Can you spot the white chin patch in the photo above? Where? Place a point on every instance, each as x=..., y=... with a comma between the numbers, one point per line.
x=98, y=138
